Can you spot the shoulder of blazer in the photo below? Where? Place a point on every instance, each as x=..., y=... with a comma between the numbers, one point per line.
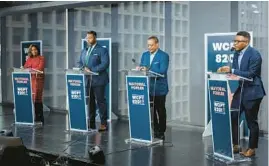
x=162, y=52
x=145, y=53
x=252, y=53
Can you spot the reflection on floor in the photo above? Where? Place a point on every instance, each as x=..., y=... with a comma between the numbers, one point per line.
x=184, y=147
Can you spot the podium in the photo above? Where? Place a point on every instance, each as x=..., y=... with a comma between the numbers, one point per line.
x=23, y=100
x=220, y=99
x=76, y=92
x=138, y=100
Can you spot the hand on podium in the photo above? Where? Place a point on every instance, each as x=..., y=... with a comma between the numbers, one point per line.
x=224, y=69
x=87, y=70
x=142, y=68
x=232, y=77
x=21, y=67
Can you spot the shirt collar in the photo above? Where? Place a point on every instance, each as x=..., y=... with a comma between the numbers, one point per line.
x=154, y=52
x=92, y=46
x=243, y=51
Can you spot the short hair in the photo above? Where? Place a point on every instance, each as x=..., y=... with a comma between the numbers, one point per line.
x=154, y=38
x=92, y=33
x=244, y=34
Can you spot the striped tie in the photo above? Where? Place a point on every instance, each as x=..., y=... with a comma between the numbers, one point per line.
x=87, y=57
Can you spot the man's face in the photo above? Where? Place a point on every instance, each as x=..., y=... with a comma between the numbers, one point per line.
x=240, y=42
x=152, y=45
x=90, y=39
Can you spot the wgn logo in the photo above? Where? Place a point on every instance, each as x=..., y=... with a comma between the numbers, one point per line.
x=219, y=107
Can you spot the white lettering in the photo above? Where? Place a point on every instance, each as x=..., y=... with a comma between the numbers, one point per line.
x=222, y=46
x=26, y=50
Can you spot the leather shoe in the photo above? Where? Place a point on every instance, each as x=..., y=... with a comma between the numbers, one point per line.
x=161, y=136
x=103, y=128
x=236, y=149
x=248, y=153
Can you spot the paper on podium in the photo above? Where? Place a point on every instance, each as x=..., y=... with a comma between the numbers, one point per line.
x=225, y=76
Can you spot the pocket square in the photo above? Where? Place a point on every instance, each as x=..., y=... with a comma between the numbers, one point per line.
x=156, y=62
x=95, y=54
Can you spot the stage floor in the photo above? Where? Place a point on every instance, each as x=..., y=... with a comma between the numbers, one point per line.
x=184, y=146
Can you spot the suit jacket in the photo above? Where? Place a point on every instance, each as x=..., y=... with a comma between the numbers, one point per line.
x=159, y=65
x=250, y=67
x=38, y=80
x=98, y=62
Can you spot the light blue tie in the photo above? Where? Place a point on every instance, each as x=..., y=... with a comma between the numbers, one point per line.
x=240, y=58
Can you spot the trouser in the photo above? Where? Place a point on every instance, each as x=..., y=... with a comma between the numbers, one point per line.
x=251, y=114
x=97, y=94
x=159, y=113
x=39, y=112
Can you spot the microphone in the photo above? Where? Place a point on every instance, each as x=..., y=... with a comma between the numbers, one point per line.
x=232, y=49
x=134, y=62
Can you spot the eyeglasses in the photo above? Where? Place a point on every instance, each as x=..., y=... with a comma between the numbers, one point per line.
x=238, y=41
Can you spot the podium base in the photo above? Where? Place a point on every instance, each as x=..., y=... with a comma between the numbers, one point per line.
x=82, y=131
x=35, y=124
x=155, y=141
x=237, y=159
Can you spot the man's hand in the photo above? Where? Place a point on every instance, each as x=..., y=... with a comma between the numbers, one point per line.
x=232, y=77
x=87, y=69
x=224, y=69
x=142, y=68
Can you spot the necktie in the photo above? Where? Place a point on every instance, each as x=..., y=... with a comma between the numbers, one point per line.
x=87, y=57
x=240, y=58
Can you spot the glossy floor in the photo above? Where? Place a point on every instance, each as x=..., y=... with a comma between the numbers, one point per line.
x=184, y=146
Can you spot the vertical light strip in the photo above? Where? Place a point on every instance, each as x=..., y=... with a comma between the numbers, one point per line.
x=268, y=74
x=67, y=57
x=66, y=38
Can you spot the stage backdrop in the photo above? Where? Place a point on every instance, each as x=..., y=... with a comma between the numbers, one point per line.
x=106, y=43
x=25, y=47
x=217, y=54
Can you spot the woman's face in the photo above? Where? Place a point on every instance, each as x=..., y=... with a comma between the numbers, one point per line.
x=34, y=51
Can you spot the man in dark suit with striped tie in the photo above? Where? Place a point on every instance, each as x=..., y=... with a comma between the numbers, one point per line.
x=95, y=58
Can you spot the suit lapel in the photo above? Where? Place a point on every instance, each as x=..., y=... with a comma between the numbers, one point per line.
x=155, y=57
x=93, y=50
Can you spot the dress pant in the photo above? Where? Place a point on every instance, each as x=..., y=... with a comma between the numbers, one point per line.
x=39, y=117
x=251, y=113
x=159, y=113
x=97, y=94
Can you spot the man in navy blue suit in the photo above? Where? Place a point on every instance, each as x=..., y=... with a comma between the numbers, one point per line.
x=247, y=63
x=95, y=58
x=157, y=61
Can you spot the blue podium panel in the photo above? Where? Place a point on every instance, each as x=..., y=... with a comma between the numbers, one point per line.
x=139, y=108
x=221, y=119
x=22, y=92
x=77, y=103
